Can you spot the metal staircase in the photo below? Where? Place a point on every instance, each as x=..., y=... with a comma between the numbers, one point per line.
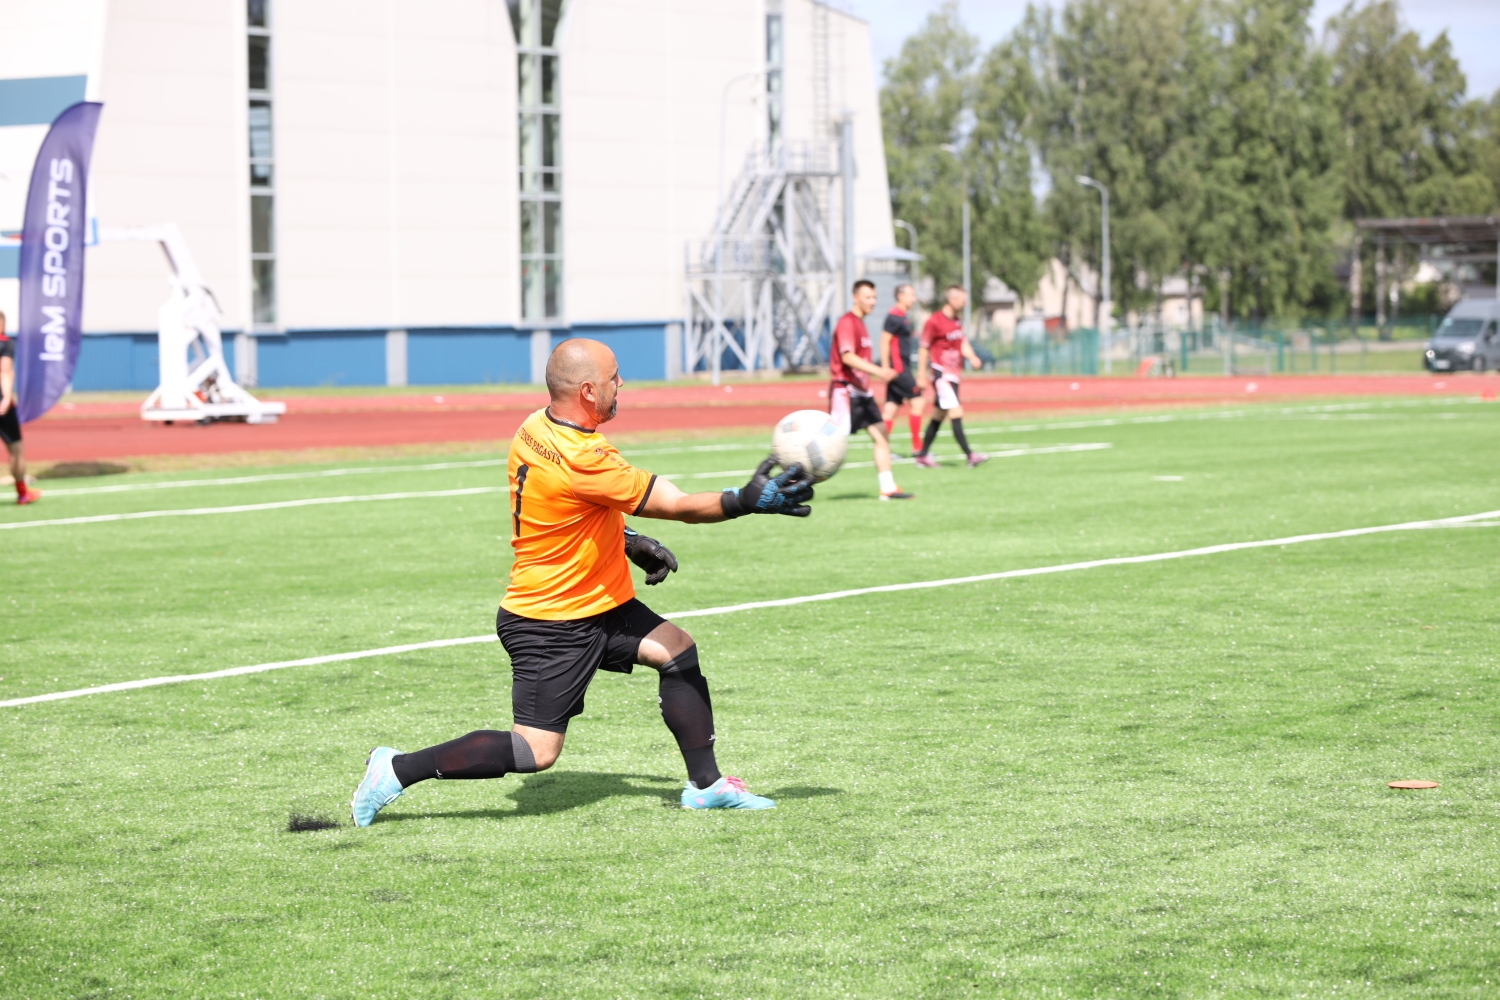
x=762, y=286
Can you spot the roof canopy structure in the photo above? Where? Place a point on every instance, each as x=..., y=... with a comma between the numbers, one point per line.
x=1468, y=231
x=1458, y=229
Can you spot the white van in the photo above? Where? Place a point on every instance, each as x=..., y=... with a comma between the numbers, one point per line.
x=1469, y=337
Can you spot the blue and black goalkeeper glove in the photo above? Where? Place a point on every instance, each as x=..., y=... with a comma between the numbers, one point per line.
x=787, y=493
x=650, y=555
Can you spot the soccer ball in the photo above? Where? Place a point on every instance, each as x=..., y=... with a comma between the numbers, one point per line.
x=811, y=439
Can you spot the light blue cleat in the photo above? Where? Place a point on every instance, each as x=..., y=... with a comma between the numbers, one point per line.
x=379, y=789
x=726, y=793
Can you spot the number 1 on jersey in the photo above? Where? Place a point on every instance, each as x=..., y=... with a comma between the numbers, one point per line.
x=521, y=471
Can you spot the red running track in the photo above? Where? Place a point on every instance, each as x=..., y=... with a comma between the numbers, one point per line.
x=89, y=430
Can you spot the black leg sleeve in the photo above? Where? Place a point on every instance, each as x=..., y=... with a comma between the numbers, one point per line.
x=957, y=423
x=484, y=753
x=689, y=714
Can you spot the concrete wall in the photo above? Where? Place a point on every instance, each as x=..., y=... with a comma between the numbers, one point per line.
x=642, y=87
x=395, y=158
x=171, y=147
x=395, y=167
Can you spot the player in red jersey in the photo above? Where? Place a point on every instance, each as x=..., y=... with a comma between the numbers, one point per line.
x=849, y=398
x=10, y=426
x=944, y=350
x=898, y=353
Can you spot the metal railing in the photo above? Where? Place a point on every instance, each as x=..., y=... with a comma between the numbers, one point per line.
x=1242, y=348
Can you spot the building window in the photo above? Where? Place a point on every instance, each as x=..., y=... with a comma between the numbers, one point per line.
x=262, y=192
x=774, y=61
x=540, y=132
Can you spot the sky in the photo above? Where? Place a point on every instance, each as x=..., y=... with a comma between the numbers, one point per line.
x=1473, y=27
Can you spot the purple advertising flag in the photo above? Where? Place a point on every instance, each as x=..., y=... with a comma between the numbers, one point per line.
x=50, y=329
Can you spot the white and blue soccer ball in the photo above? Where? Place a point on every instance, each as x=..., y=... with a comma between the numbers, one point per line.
x=811, y=439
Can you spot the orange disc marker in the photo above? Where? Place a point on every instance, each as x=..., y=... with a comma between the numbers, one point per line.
x=1414, y=784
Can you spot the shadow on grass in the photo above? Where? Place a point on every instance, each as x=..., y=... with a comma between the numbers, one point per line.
x=802, y=792
x=542, y=794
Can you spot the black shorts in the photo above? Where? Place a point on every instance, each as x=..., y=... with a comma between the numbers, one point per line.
x=10, y=426
x=552, y=663
x=853, y=409
x=901, y=389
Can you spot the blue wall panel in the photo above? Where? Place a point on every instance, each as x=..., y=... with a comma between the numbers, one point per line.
x=117, y=361
x=641, y=350
x=337, y=358
x=467, y=357
x=37, y=100
x=126, y=361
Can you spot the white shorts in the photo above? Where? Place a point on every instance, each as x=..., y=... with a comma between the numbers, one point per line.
x=946, y=387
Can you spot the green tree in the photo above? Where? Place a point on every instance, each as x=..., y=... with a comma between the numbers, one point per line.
x=1415, y=142
x=1233, y=147
x=1012, y=240
x=1120, y=81
x=926, y=103
x=1270, y=164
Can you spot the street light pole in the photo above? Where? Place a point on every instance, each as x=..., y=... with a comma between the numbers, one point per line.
x=719, y=332
x=911, y=231
x=1106, y=290
x=723, y=120
x=968, y=273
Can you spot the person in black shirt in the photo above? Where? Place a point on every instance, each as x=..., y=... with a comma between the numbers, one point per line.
x=898, y=350
x=10, y=426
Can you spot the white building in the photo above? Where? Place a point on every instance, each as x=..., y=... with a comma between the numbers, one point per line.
x=430, y=193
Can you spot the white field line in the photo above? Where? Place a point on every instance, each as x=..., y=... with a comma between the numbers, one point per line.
x=243, y=507
x=258, y=668
x=470, y=491
x=899, y=460
x=1165, y=418
x=173, y=484
x=1207, y=550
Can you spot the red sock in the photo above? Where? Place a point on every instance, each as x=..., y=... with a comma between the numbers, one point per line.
x=888, y=425
x=916, y=430
x=20, y=487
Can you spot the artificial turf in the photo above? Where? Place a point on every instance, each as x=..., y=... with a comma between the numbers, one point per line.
x=1150, y=780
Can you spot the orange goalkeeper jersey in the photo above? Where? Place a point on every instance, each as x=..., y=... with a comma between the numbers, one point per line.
x=569, y=493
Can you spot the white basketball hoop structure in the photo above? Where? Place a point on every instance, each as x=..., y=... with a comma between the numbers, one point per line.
x=195, y=382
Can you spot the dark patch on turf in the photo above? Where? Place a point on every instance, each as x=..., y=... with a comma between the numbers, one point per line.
x=301, y=823
x=78, y=470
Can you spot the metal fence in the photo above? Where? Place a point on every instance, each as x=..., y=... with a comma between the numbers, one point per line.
x=1242, y=348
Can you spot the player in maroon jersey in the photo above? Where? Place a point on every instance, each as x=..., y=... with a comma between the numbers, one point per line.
x=10, y=426
x=849, y=398
x=944, y=350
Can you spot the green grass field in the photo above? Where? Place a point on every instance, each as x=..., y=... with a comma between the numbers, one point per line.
x=1165, y=779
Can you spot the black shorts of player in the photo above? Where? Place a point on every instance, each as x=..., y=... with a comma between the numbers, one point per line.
x=901, y=389
x=10, y=426
x=552, y=663
x=863, y=410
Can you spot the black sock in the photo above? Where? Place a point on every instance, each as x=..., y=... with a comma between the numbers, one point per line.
x=484, y=753
x=689, y=714
x=957, y=423
x=930, y=435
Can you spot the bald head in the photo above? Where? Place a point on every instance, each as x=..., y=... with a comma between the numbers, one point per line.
x=574, y=362
x=582, y=377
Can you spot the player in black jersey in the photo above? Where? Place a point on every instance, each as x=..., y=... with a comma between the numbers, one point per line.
x=898, y=350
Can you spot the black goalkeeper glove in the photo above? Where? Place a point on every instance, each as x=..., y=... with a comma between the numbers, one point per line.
x=650, y=555
x=787, y=493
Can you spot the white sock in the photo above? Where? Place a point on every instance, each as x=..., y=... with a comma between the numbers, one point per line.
x=887, y=482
